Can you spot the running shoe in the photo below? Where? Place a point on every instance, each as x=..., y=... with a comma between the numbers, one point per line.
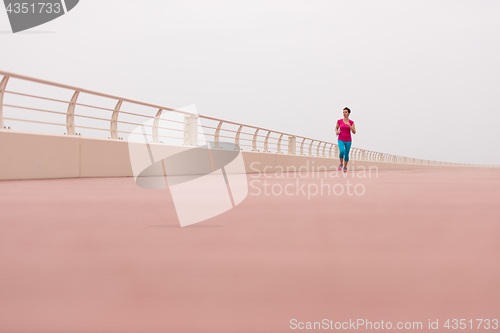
x=340, y=167
x=345, y=169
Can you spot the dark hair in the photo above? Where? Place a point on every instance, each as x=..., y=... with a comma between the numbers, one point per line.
x=348, y=110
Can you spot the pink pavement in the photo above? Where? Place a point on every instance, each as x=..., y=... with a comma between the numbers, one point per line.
x=103, y=255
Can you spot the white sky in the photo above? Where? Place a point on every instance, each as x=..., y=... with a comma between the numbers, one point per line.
x=421, y=77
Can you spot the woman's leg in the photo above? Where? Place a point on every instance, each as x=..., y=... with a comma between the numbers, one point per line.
x=346, y=155
x=341, y=151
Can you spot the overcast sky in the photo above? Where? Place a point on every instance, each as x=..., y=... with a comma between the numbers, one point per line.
x=422, y=78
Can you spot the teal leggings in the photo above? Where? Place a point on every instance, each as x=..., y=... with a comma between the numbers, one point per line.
x=344, y=148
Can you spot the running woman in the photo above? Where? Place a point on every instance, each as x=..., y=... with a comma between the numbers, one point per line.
x=343, y=130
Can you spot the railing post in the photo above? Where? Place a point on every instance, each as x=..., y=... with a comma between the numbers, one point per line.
x=266, y=141
x=3, y=84
x=310, y=148
x=324, y=147
x=279, y=144
x=237, y=138
x=254, y=141
x=156, y=123
x=114, y=120
x=317, y=149
x=191, y=131
x=302, y=147
x=292, y=143
x=330, y=153
x=70, y=117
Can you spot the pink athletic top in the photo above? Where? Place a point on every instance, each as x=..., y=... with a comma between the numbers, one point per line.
x=345, y=130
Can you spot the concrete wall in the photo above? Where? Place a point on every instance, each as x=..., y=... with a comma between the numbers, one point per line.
x=41, y=156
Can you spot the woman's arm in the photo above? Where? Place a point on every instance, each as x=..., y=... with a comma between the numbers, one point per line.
x=353, y=128
x=337, y=129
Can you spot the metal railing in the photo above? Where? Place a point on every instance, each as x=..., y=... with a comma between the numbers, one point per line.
x=70, y=111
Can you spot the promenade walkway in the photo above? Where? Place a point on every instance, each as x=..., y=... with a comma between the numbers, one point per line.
x=103, y=255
